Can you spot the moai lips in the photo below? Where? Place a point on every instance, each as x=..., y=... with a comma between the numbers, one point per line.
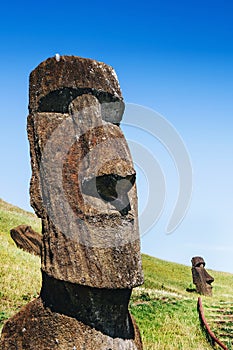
x=201, y=278
x=83, y=188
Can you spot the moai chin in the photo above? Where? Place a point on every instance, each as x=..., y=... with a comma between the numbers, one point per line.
x=201, y=278
x=83, y=189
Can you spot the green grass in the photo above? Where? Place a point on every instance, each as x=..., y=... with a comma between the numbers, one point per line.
x=169, y=324
x=20, y=271
x=165, y=313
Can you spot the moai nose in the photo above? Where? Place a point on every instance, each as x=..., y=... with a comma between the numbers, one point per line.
x=209, y=279
x=112, y=188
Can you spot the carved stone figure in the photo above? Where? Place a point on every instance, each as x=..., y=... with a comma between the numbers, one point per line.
x=83, y=189
x=201, y=278
x=27, y=239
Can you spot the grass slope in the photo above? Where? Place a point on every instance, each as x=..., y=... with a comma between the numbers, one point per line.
x=165, y=312
x=20, y=272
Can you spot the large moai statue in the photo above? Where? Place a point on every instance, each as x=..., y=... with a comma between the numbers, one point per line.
x=83, y=189
x=201, y=278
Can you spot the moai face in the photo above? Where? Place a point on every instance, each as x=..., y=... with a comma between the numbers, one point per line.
x=83, y=180
x=201, y=278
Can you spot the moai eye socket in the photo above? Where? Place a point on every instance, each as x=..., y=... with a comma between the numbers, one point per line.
x=58, y=101
x=201, y=265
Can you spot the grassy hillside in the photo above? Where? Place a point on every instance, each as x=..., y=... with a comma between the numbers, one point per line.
x=20, y=272
x=165, y=312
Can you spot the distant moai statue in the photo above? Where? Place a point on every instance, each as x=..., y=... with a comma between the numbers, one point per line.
x=83, y=189
x=201, y=278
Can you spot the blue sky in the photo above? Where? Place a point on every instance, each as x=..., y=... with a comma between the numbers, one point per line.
x=175, y=57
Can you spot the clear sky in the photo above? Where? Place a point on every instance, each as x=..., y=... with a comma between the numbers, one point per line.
x=175, y=57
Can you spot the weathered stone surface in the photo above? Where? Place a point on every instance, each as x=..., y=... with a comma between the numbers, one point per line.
x=38, y=327
x=78, y=160
x=27, y=239
x=83, y=188
x=53, y=85
x=201, y=278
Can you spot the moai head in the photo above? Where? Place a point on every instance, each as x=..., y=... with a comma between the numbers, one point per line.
x=83, y=180
x=201, y=278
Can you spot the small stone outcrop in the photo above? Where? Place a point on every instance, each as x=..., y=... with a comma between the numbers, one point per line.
x=201, y=278
x=83, y=189
x=27, y=239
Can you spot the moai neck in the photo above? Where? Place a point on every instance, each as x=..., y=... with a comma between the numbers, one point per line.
x=104, y=309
